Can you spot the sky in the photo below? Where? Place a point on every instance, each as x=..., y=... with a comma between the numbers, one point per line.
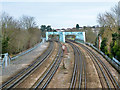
x=59, y=14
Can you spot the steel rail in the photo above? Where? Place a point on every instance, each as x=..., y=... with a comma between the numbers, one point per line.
x=113, y=80
x=97, y=69
x=106, y=79
x=79, y=57
x=85, y=74
x=75, y=67
x=28, y=69
x=47, y=73
x=31, y=69
x=82, y=67
x=108, y=72
x=52, y=74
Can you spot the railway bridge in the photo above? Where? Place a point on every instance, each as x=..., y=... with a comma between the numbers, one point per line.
x=79, y=35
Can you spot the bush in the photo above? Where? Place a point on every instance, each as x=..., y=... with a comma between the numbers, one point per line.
x=115, y=49
x=103, y=46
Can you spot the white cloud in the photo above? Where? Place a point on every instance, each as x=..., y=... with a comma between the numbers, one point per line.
x=59, y=0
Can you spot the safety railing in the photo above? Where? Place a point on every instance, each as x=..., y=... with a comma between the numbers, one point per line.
x=5, y=58
x=114, y=62
x=23, y=53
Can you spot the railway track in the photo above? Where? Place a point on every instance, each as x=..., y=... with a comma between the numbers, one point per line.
x=44, y=80
x=106, y=78
x=79, y=72
x=24, y=73
x=79, y=76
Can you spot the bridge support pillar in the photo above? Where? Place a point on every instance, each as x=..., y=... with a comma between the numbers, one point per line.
x=62, y=37
x=46, y=36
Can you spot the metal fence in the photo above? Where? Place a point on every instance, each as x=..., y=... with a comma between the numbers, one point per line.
x=114, y=62
x=5, y=58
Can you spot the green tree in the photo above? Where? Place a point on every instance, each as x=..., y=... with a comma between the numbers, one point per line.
x=93, y=26
x=43, y=28
x=104, y=45
x=115, y=47
x=84, y=27
x=115, y=36
x=77, y=26
x=49, y=28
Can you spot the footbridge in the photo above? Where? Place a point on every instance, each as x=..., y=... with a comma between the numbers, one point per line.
x=79, y=35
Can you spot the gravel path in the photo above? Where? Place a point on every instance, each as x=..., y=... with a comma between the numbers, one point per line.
x=22, y=62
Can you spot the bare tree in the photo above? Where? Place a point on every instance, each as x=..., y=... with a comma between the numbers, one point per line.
x=101, y=20
x=90, y=36
x=18, y=35
x=28, y=22
x=110, y=19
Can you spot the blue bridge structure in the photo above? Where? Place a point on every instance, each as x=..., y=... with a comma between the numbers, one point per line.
x=78, y=35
